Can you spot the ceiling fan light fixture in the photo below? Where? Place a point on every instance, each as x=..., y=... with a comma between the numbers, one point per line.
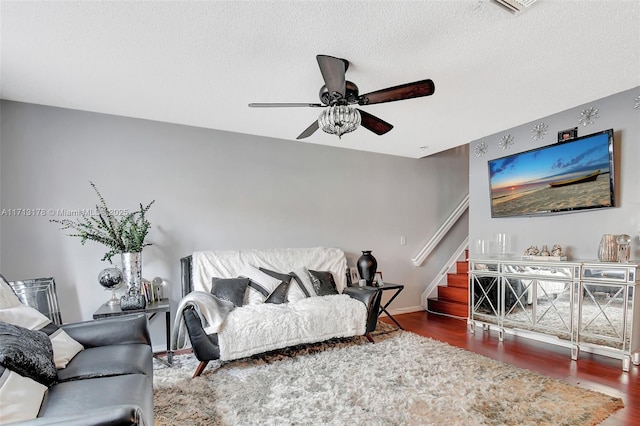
x=339, y=119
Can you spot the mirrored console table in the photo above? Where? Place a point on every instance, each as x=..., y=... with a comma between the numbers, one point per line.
x=585, y=305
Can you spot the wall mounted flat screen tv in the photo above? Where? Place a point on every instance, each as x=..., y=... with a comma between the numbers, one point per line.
x=569, y=176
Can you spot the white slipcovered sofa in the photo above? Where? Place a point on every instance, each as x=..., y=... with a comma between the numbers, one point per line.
x=289, y=297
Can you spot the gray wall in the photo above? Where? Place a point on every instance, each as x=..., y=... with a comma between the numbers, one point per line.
x=579, y=232
x=214, y=190
x=0, y=191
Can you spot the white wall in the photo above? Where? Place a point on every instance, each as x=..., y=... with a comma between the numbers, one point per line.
x=579, y=233
x=214, y=190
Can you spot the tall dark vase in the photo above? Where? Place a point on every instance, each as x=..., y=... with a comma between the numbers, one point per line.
x=367, y=265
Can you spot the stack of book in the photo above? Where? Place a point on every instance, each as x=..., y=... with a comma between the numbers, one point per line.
x=150, y=291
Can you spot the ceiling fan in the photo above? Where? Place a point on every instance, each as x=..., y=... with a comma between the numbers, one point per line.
x=338, y=94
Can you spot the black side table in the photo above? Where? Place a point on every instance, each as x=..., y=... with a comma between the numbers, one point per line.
x=383, y=308
x=151, y=309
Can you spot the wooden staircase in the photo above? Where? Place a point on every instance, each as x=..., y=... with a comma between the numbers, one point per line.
x=453, y=298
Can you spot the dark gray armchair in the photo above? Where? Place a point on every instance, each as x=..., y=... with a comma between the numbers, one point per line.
x=110, y=382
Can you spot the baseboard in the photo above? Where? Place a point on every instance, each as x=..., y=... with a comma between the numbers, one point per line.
x=447, y=315
x=400, y=311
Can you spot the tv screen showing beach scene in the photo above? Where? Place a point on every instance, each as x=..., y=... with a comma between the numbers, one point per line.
x=568, y=176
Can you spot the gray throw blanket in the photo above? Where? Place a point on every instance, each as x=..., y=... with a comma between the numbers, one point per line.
x=212, y=312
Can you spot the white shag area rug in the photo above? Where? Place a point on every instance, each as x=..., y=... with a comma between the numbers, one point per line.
x=402, y=379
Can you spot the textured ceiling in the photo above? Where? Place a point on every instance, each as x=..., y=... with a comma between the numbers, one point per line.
x=201, y=63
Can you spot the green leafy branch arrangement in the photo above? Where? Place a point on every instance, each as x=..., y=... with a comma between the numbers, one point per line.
x=124, y=235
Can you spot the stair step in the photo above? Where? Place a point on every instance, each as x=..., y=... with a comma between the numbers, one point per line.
x=458, y=280
x=448, y=308
x=462, y=267
x=453, y=294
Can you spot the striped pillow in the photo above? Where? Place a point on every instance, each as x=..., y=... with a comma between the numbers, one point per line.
x=64, y=347
x=8, y=297
x=14, y=312
x=20, y=397
x=295, y=288
x=301, y=275
x=261, y=285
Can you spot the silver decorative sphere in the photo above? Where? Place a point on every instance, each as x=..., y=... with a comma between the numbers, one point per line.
x=110, y=278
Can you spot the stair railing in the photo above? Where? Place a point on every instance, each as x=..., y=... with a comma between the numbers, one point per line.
x=442, y=231
x=457, y=254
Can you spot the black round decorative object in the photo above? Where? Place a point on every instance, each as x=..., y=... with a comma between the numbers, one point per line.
x=367, y=265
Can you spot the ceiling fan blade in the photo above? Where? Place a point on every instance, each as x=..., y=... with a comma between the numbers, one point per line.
x=373, y=123
x=333, y=72
x=282, y=105
x=309, y=130
x=398, y=93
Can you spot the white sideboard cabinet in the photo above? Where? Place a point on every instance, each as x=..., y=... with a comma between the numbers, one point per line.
x=587, y=306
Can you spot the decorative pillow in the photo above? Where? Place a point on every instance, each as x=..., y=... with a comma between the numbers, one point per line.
x=279, y=295
x=20, y=397
x=230, y=289
x=301, y=275
x=299, y=286
x=278, y=275
x=8, y=297
x=295, y=290
x=64, y=347
x=261, y=285
x=28, y=353
x=323, y=282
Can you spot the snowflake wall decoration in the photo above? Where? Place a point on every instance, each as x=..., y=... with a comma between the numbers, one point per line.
x=637, y=102
x=588, y=115
x=480, y=149
x=538, y=131
x=505, y=142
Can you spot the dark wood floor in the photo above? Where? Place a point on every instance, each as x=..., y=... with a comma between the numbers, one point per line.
x=595, y=372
